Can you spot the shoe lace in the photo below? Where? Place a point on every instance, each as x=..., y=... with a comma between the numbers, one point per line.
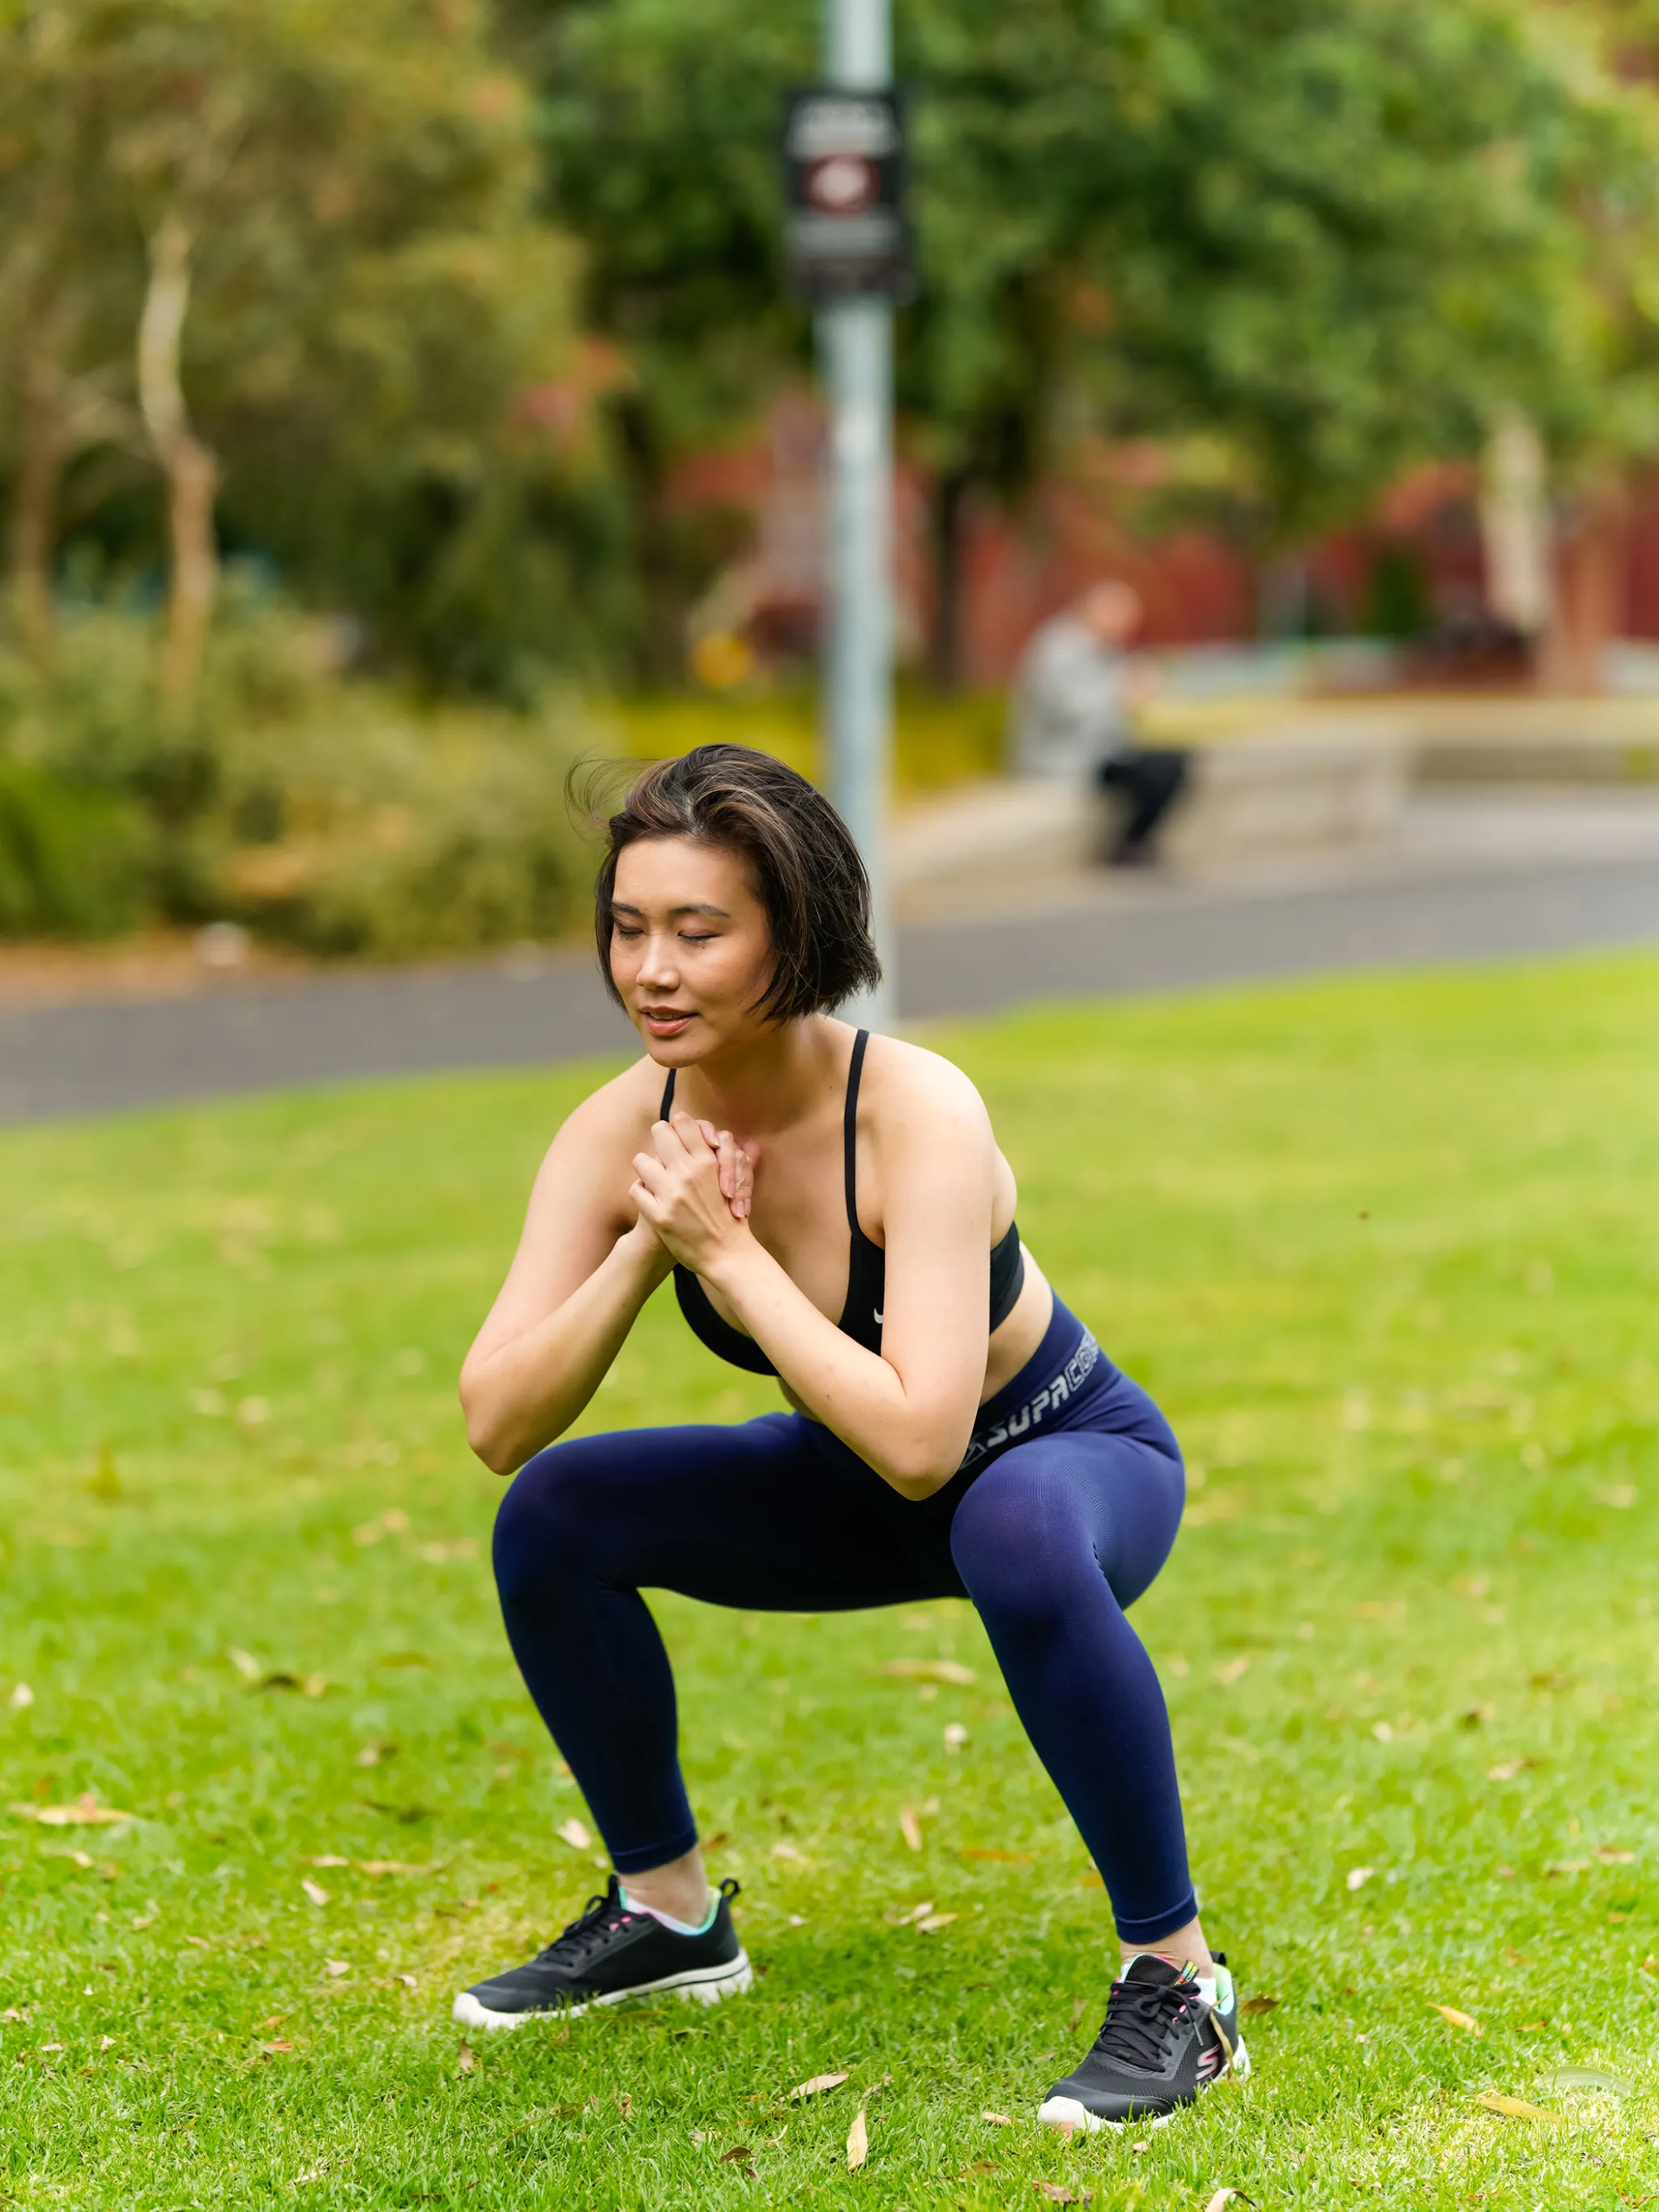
x=587, y=1933
x=1141, y=2017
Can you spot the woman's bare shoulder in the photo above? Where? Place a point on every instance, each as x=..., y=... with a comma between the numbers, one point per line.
x=909, y=1083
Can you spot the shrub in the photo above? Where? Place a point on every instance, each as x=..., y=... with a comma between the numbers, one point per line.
x=72, y=863
x=394, y=833
x=339, y=815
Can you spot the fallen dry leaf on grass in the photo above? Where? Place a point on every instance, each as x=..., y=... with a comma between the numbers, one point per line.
x=1453, y=2018
x=910, y=1829
x=858, y=2142
x=1222, y=2197
x=1515, y=2108
x=1590, y=2077
x=1357, y=1877
x=326, y=1859
x=244, y=1663
x=1258, y=2005
x=85, y=1813
x=997, y=2119
x=1229, y=1671
x=739, y=2155
x=465, y=2059
x=274, y=2021
x=1610, y=1857
x=573, y=1833
x=817, y=2085
x=928, y=1670
x=314, y=1891
x=785, y=1850
x=955, y=1736
x=21, y=1698
x=279, y=2050
x=379, y=1868
x=374, y=1751
x=932, y=1923
x=335, y=1967
x=1058, y=2193
x=909, y=1915
x=1001, y=1858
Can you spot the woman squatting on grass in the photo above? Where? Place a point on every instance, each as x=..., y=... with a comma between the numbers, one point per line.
x=835, y=1212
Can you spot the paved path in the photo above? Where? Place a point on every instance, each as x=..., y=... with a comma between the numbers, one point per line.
x=84, y=1059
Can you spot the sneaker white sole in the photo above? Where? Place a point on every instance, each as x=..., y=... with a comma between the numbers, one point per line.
x=707, y=1985
x=1067, y=2112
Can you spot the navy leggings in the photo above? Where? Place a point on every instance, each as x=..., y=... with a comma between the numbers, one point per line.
x=1061, y=1516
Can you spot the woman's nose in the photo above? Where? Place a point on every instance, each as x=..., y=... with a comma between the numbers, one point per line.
x=659, y=968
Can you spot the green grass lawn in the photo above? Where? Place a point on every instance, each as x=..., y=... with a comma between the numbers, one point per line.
x=1384, y=1250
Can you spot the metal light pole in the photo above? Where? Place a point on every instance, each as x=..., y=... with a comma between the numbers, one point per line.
x=855, y=346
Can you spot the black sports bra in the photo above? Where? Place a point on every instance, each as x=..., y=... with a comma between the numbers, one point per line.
x=866, y=1268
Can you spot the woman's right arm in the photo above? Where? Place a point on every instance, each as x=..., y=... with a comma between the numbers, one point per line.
x=585, y=1266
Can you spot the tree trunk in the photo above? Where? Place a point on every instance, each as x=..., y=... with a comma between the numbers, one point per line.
x=33, y=506
x=190, y=469
x=950, y=515
x=1589, y=599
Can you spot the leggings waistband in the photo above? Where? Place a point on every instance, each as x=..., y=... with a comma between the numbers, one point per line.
x=1067, y=1365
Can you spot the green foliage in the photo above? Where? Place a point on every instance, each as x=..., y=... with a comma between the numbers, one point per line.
x=1334, y=236
x=73, y=863
x=1382, y=1248
x=380, y=346
x=345, y=817
x=376, y=830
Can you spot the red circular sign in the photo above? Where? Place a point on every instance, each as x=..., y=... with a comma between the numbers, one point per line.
x=842, y=184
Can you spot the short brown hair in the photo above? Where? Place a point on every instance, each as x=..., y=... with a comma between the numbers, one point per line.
x=807, y=869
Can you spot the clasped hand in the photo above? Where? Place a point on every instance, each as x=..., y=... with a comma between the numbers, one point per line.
x=693, y=1189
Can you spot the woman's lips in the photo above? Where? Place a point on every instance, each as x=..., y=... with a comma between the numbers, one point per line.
x=666, y=1024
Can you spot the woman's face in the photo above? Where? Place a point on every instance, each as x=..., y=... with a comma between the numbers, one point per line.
x=690, y=949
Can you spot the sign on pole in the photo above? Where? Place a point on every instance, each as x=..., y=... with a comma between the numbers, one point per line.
x=843, y=154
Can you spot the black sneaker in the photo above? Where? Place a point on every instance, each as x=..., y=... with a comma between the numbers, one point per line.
x=1161, y=2045
x=612, y=1952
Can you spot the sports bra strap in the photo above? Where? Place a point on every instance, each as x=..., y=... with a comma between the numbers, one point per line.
x=850, y=1130
x=667, y=1107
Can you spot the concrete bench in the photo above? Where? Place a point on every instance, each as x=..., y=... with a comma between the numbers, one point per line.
x=1248, y=797
x=1259, y=796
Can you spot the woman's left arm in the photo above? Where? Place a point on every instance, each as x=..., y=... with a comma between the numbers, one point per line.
x=907, y=1410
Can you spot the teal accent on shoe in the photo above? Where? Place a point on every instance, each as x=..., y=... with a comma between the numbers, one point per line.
x=679, y=1927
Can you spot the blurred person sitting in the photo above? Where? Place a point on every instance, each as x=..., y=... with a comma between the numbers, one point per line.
x=1074, y=699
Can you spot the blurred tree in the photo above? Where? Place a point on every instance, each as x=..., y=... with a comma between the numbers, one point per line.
x=322, y=227
x=1334, y=231
x=68, y=290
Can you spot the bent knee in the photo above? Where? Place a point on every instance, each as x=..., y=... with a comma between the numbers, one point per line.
x=540, y=1523
x=1018, y=1550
